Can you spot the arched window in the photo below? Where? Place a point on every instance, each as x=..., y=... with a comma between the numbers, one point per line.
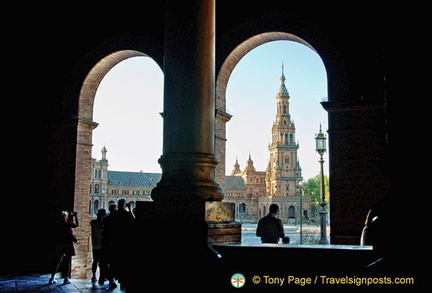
x=291, y=212
x=95, y=206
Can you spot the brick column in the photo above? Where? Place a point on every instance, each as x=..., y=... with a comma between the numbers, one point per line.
x=81, y=262
x=222, y=118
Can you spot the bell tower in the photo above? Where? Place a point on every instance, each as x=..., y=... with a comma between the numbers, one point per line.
x=283, y=172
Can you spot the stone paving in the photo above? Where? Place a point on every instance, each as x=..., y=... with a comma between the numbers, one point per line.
x=39, y=283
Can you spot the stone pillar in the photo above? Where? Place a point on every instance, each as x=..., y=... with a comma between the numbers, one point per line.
x=357, y=143
x=188, y=161
x=186, y=214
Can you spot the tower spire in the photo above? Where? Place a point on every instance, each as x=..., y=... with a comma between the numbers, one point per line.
x=282, y=89
x=104, y=151
x=236, y=169
x=249, y=165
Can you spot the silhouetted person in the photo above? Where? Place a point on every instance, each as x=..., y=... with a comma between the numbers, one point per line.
x=117, y=229
x=270, y=227
x=368, y=229
x=64, y=248
x=96, y=232
x=108, y=248
x=112, y=208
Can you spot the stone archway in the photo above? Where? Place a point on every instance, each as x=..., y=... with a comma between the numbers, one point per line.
x=95, y=76
x=240, y=51
x=82, y=260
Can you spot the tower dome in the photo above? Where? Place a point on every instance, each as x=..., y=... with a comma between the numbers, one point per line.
x=236, y=169
x=249, y=165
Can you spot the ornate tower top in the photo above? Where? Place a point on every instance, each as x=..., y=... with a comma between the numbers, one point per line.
x=104, y=151
x=236, y=169
x=249, y=165
x=283, y=130
x=283, y=92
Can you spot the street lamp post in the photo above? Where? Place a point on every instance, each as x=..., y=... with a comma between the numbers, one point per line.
x=320, y=140
x=301, y=184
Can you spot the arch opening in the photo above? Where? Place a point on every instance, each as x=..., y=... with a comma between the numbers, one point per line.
x=240, y=51
x=83, y=173
x=287, y=160
x=94, y=78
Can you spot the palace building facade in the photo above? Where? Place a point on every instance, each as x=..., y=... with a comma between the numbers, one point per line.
x=107, y=187
x=252, y=191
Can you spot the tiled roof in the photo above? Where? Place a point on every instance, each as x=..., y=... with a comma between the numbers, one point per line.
x=133, y=178
x=234, y=182
x=151, y=179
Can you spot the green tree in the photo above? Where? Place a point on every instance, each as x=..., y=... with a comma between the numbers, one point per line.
x=312, y=188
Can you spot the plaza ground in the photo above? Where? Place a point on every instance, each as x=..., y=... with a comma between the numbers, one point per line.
x=39, y=282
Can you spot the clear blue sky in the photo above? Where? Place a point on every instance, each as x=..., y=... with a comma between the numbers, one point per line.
x=130, y=97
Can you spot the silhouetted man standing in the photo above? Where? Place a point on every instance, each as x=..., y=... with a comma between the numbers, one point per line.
x=270, y=227
x=116, y=236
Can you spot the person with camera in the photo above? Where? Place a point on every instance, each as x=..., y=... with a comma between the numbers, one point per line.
x=63, y=244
